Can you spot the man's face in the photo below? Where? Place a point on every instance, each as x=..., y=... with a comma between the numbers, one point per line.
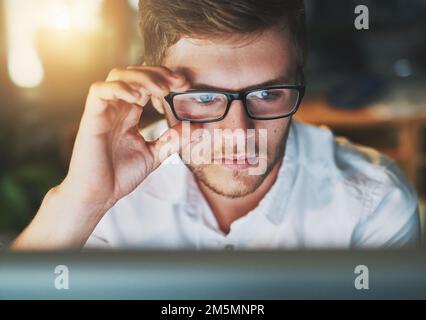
x=233, y=64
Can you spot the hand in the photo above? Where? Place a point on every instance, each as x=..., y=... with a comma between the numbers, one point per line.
x=110, y=157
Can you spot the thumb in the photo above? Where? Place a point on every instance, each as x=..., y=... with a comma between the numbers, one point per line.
x=174, y=140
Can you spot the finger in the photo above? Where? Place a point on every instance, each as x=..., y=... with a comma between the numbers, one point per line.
x=116, y=90
x=152, y=82
x=145, y=94
x=158, y=104
x=174, y=140
x=133, y=117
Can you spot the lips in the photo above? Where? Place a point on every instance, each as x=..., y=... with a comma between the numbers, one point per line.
x=236, y=161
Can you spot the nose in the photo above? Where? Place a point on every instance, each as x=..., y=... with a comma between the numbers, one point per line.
x=237, y=117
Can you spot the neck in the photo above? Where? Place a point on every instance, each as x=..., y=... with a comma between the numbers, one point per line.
x=227, y=210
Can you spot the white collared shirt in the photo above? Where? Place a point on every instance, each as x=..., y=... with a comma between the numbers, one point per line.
x=329, y=193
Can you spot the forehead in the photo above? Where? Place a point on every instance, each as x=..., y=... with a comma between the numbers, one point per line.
x=234, y=62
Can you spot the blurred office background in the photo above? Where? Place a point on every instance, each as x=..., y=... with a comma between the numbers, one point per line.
x=368, y=85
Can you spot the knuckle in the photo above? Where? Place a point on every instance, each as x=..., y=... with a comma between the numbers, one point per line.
x=118, y=70
x=115, y=73
x=96, y=86
x=119, y=85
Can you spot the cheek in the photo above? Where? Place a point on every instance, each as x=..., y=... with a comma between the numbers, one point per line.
x=276, y=130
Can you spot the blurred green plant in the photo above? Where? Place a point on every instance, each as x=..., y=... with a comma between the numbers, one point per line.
x=27, y=172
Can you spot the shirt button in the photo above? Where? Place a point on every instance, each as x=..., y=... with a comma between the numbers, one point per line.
x=229, y=247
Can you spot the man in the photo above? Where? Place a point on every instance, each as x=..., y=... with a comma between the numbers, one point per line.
x=232, y=66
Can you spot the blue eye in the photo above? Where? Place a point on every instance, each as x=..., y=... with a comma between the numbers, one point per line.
x=266, y=94
x=205, y=98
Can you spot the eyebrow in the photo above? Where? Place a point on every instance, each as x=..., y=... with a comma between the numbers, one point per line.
x=272, y=82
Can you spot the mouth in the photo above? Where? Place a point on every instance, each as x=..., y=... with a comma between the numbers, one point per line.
x=236, y=162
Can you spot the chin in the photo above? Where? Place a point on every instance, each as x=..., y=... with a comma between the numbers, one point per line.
x=230, y=183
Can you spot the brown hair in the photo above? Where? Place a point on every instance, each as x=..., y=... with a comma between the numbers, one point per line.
x=164, y=22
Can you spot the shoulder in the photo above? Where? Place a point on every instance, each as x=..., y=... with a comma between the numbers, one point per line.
x=347, y=160
x=388, y=202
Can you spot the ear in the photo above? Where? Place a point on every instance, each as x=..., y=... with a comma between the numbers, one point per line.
x=159, y=104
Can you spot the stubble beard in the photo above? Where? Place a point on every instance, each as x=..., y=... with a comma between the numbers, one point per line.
x=244, y=184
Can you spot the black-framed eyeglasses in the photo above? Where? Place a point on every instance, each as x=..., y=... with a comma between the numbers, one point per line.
x=263, y=103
